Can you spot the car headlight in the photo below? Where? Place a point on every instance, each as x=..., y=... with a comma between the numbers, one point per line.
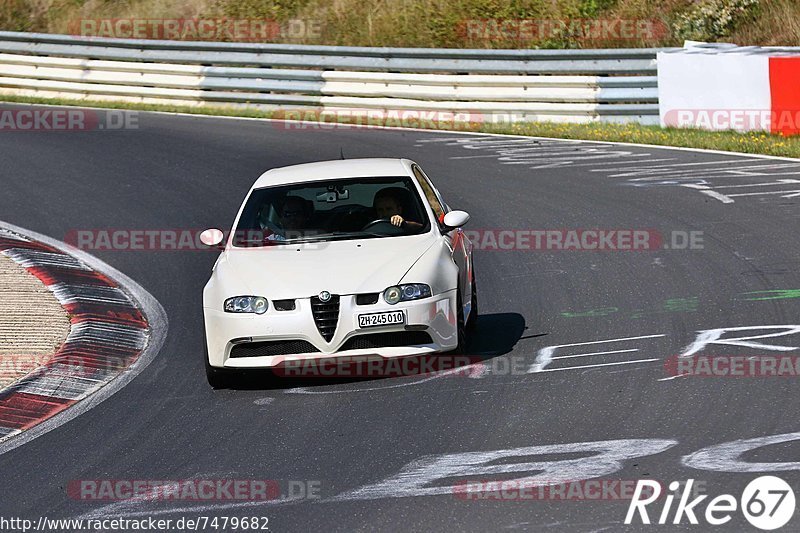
x=404, y=293
x=246, y=304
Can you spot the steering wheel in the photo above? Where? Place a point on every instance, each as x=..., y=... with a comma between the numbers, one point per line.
x=274, y=229
x=378, y=221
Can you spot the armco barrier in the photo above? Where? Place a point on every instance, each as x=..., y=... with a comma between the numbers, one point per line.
x=615, y=85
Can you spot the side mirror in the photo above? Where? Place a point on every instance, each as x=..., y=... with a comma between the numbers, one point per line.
x=212, y=237
x=456, y=219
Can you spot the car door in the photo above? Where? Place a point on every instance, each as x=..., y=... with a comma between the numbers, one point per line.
x=459, y=245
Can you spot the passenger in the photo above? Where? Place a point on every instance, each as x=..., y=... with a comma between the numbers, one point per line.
x=294, y=215
x=293, y=218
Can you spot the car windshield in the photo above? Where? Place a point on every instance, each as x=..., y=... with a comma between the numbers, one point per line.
x=353, y=208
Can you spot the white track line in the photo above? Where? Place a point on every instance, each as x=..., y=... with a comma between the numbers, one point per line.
x=438, y=132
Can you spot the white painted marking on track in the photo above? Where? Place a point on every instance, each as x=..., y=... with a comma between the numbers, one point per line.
x=650, y=170
x=128, y=508
x=630, y=162
x=639, y=168
x=763, y=193
x=610, y=340
x=595, y=353
x=765, y=184
x=427, y=475
x=545, y=355
x=728, y=457
x=718, y=196
x=473, y=156
x=714, y=336
x=616, y=363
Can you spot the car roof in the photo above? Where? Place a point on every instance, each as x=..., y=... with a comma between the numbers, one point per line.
x=337, y=169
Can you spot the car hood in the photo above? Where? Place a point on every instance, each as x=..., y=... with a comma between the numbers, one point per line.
x=339, y=267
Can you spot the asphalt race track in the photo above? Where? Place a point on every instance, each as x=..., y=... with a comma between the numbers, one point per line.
x=385, y=454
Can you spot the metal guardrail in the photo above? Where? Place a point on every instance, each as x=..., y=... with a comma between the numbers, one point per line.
x=558, y=85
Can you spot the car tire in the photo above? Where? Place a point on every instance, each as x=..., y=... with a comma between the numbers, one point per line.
x=217, y=377
x=461, y=328
x=472, y=323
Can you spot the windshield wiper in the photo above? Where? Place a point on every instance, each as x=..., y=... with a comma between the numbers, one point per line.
x=322, y=237
x=334, y=236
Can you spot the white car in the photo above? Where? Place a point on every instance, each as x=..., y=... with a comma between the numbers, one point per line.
x=338, y=258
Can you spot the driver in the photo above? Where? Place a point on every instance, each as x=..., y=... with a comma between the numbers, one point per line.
x=387, y=204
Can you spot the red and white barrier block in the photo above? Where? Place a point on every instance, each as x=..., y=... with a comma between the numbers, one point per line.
x=727, y=87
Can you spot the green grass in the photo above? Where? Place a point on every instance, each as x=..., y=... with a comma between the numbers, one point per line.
x=441, y=23
x=728, y=141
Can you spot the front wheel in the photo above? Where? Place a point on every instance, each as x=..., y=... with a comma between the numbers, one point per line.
x=461, y=329
x=217, y=378
x=472, y=321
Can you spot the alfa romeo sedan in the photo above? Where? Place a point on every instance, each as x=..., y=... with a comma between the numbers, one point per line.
x=338, y=258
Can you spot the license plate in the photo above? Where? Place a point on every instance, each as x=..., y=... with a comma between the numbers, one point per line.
x=381, y=319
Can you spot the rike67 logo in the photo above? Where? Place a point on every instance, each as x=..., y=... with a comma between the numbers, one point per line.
x=767, y=502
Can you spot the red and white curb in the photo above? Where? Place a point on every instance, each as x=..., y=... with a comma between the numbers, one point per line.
x=116, y=329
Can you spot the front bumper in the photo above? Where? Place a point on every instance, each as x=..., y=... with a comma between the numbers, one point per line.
x=435, y=315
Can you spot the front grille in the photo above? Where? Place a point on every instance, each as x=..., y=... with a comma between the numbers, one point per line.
x=326, y=315
x=359, y=342
x=386, y=340
x=260, y=349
